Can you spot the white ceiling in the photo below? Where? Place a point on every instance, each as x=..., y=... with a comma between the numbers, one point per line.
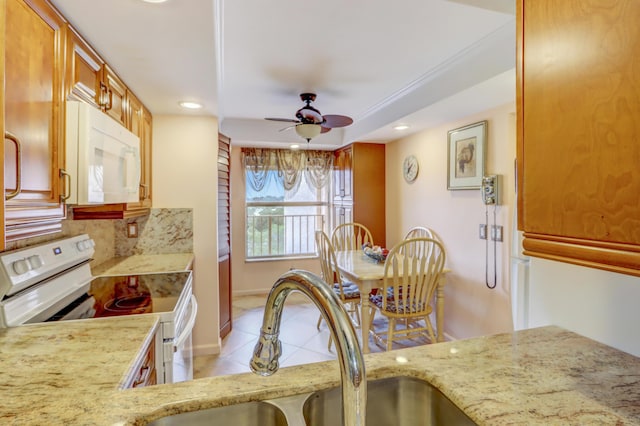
x=419, y=62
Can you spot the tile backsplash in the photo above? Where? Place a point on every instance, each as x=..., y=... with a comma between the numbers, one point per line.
x=164, y=231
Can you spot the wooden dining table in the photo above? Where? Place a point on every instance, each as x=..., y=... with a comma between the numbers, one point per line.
x=368, y=274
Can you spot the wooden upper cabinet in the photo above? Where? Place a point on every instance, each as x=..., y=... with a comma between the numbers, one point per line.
x=359, y=188
x=146, y=142
x=139, y=121
x=343, y=185
x=84, y=71
x=115, y=96
x=578, y=97
x=34, y=40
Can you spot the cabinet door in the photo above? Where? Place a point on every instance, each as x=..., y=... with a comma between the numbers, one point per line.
x=341, y=213
x=33, y=100
x=135, y=124
x=83, y=70
x=116, y=95
x=343, y=184
x=146, y=142
x=578, y=97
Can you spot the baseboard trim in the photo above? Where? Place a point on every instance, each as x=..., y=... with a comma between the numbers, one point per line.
x=448, y=337
x=209, y=349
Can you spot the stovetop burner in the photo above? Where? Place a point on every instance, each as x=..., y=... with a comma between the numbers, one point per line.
x=128, y=305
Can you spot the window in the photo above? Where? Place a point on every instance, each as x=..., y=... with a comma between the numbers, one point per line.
x=287, y=200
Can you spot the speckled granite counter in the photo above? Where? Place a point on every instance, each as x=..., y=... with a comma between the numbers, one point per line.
x=54, y=374
x=543, y=376
x=144, y=263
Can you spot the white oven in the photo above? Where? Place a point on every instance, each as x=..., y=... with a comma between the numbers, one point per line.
x=53, y=282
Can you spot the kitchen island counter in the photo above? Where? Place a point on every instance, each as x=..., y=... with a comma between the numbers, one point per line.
x=540, y=376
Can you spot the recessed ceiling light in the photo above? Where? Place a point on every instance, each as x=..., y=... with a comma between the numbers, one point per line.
x=190, y=105
x=401, y=127
x=154, y=1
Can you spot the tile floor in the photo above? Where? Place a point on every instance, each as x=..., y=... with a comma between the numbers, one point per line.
x=302, y=342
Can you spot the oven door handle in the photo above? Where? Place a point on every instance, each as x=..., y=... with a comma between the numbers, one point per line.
x=189, y=326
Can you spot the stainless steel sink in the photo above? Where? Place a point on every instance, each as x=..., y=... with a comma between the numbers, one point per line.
x=395, y=401
x=246, y=414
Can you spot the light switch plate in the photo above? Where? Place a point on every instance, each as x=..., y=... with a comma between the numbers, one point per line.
x=496, y=232
x=482, y=231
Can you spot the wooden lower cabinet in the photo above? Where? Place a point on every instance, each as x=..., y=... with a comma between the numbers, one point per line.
x=145, y=373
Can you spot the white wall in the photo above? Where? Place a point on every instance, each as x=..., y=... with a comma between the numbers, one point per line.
x=471, y=309
x=185, y=175
x=598, y=304
x=253, y=277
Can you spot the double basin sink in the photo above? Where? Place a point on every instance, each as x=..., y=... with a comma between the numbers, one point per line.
x=398, y=401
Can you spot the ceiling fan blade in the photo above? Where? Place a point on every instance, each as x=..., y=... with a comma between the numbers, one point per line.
x=332, y=121
x=324, y=129
x=287, y=128
x=286, y=120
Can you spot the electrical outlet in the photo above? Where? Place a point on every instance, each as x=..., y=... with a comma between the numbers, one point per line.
x=482, y=231
x=132, y=230
x=496, y=232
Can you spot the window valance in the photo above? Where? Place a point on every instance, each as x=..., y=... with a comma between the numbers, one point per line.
x=315, y=165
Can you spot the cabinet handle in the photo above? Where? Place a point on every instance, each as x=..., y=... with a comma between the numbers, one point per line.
x=145, y=190
x=66, y=195
x=13, y=138
x=143, y=376
x=101, y=100
x=106, y=97
x=109, y=104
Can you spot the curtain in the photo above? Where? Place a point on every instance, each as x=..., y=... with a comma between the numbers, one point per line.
x=290, y=165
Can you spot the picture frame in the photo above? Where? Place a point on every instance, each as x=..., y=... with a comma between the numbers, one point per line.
x=466, y=156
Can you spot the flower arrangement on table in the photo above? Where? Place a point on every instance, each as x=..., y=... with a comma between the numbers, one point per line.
x=377, y=253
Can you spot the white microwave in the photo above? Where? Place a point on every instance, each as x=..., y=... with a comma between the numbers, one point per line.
x=102, y=158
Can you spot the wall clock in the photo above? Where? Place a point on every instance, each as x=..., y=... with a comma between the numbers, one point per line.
x=410, y=168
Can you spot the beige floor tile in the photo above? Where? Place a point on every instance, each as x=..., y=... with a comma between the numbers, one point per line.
x=301, y=341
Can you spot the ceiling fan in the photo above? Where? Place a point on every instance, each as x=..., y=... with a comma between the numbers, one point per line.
x=310, y=122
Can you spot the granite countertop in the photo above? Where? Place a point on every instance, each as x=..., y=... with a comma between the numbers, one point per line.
x=144, y=263
x=69, y=374
x=55, y=374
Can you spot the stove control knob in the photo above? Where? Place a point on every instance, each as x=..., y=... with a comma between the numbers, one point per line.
x=85, y=244
x=35, y=261
x=21, y=266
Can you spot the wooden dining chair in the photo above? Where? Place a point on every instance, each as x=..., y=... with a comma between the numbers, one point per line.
x=348, y=292
x=411, y=273
x=419, y=232
x=350, y=236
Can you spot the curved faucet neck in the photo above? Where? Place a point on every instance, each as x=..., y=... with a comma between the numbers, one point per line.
x=352, y=370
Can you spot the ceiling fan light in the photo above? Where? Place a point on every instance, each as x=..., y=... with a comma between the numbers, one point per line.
x=308, y=131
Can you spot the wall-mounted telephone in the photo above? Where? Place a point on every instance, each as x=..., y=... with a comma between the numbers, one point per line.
x=490, y=192
x=491, y=189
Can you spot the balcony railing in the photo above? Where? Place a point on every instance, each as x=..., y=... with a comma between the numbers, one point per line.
x=282, y=235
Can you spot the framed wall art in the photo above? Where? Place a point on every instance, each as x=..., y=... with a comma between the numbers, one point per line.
x=466, y=155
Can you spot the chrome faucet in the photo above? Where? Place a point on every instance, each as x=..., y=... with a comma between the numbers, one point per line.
x=268, y=349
